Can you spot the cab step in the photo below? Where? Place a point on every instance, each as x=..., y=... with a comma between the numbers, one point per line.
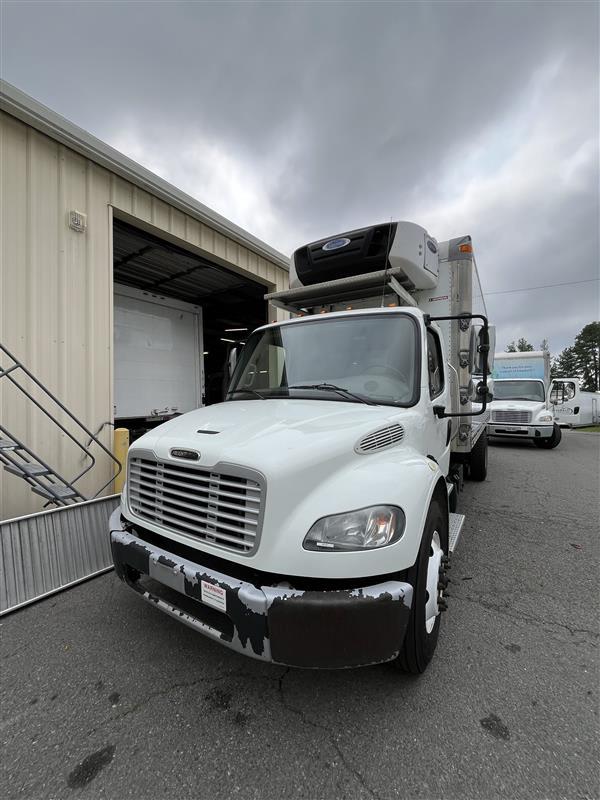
x=456, y=523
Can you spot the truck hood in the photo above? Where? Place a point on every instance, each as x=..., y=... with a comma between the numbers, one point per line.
x=272, y=435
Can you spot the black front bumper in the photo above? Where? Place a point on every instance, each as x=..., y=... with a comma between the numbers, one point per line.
x=327, y=629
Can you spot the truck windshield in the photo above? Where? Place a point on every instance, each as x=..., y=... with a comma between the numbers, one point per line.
x=373, y=357
x=519, y=390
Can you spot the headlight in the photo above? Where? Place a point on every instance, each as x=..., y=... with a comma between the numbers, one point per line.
x=364, y=529
x=545, y=418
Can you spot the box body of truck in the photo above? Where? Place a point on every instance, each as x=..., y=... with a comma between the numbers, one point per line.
x=306, y=520
x=158, y=356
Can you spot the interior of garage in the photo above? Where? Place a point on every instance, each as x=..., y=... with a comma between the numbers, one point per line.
x=231, y=306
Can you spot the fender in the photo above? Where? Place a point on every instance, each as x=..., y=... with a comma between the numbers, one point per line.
x=401, y=477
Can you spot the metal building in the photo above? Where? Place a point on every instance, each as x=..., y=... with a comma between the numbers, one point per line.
x=121, y=295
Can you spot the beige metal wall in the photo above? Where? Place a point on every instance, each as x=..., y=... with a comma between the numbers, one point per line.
x=56, y=288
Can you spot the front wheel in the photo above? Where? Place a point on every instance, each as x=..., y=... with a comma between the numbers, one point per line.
x=550, y=442
x=428, y=579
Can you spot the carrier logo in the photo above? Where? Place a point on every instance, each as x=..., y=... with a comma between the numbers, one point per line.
x=189, y=455
x=335, y=244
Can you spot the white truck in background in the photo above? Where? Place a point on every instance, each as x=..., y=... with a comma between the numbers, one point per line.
x=521, y=408
x=573, y=407
x=307, y=520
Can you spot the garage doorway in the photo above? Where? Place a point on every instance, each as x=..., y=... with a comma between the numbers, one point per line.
x=176, y=318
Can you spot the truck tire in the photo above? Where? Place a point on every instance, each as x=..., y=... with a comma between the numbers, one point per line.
x=552, y=441
x=429, y=571
x=478, y=460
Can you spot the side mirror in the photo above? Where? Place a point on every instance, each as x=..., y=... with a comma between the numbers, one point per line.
x=232, y=360
x=478, y=390
x=230, y=364
x=481, y=346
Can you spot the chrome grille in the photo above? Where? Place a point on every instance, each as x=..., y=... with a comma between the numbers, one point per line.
x=220, y=509
x=380, y=439
x=512, y=417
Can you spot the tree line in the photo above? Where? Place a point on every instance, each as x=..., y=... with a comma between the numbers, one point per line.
x=581, y=360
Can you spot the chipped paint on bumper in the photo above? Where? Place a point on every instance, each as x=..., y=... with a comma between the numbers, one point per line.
x=315, y=629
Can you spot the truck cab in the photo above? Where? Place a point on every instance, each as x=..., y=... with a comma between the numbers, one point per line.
x=521, y=408
x=574, y=407
x=306, y=519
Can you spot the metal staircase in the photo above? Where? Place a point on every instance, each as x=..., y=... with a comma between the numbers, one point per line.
x=18, y=459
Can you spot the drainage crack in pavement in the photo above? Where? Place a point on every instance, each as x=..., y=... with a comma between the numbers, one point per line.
x=528, y=619
x=330, y=734
x=166, y=691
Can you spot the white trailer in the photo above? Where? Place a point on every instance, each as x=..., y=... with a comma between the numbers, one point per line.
x=521, y=408
x=158, y=356
x=573, y=407
x=307, y=520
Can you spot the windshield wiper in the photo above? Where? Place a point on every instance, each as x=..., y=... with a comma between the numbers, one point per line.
x=331, y=387
x=248, y=391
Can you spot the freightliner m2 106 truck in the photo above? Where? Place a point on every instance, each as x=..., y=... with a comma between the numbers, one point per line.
x=521, y=408
x=307, y=520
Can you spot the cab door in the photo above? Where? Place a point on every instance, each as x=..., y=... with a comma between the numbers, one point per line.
x=440, y=429
x=564, y=396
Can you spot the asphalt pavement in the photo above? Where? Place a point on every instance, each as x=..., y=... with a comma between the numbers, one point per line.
x=104, y=696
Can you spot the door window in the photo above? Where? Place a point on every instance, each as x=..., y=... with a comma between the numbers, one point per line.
x=562, y=392
x=435, y=367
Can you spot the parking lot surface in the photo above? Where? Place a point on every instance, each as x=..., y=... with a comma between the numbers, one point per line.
x=104, y=696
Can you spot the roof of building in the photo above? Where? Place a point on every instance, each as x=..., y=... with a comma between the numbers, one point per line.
x=20, y=105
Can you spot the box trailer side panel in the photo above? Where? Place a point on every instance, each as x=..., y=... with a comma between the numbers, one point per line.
x=158, y=354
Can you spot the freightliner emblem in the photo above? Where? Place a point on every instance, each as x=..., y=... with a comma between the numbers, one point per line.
x=335, y=244
x=189, y=455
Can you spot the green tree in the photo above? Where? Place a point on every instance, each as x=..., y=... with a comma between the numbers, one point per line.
x=522, y=346
x=587, y=353
x=565, y=364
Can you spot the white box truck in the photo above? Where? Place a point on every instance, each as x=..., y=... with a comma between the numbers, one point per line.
x=521, y=408
x=573, y=407
x=307, y=520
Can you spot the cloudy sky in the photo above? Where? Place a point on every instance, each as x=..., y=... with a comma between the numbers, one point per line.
x=298, y=120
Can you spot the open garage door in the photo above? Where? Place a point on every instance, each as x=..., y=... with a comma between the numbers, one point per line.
x=177, y=316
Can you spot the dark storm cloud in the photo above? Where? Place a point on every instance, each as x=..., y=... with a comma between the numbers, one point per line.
x=298, y=120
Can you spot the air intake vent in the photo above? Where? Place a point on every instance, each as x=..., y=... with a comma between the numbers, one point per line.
x=380, y=439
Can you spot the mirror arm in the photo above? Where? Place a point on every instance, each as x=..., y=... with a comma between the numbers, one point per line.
x=482, y=348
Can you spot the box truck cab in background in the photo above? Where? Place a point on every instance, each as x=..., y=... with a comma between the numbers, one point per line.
x=521, y=408
x=307, y=520
x=573, y=407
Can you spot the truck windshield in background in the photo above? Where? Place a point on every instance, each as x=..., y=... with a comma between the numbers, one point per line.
x=519, y=390
x=374, y=357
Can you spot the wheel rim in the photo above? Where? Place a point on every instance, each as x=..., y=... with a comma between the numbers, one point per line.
x=432, y=608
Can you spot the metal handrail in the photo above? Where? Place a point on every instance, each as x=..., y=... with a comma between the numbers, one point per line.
x=92, y=437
